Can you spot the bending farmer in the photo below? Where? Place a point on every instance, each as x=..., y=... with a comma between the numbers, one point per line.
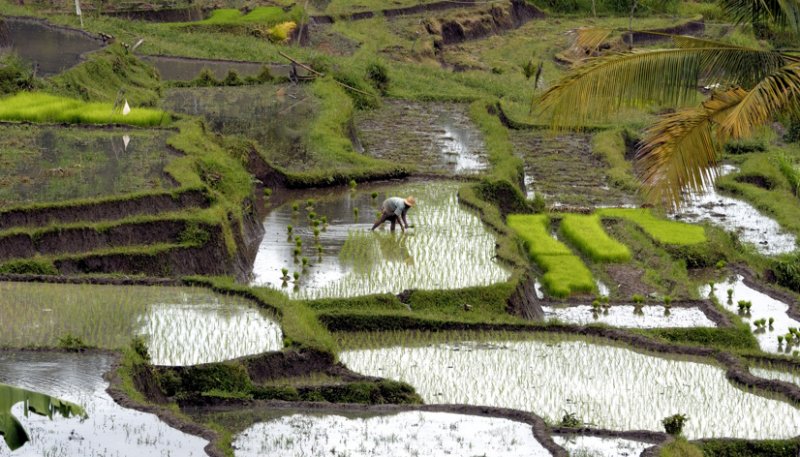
x=394, y=209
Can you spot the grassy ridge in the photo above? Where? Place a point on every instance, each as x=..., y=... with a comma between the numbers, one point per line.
x=565, y=273
x=262, y=15
x=41, y=107
x=587, y=234
x=661, y=230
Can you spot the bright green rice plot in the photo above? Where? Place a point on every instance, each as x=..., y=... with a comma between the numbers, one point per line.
x=265, y=15
x=565, y=273
x=661, y=230
x=41, y=107
x=587, y=234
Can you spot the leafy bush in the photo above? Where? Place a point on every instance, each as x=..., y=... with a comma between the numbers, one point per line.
x=787, y=271
x=29, y=266
x=673, y=425
x=745, y=146
x=15, y=75
x=139, y=346
x=72, y=343
x=378, y=75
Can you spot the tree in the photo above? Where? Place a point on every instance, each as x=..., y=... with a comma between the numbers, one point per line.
x=750, y=87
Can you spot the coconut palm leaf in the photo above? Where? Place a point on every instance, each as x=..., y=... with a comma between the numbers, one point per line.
x=777, y=93
x=637, y=79
x=10, y=429
x=679, y=152
x=781, y=12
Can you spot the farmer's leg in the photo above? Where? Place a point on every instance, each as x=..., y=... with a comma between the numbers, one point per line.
x=380, y=221
x=393, y=218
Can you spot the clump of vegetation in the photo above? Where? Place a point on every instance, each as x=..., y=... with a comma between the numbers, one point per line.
x=15, y=75
x=587, y=234
x=378, y=76
x=745, y=146
x=72, y=343
x=570, y=420
x=673, y=425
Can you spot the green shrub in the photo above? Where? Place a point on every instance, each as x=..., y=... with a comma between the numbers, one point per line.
x=139, y=346
x=787, y=271
x=661, y=230
x=587, y=234
x=749, y=448
x=29, y=266
x=378, y=76
x=673, y=425
x=72, y=343
x=745, y=146
x=15, y=75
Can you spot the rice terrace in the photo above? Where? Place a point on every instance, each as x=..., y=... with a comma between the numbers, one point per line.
x=358, y=228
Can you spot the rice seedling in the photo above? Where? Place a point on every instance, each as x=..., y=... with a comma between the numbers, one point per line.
x=41, y=107
x=586, y=233
x=413, y=433
x=594, y=446
x=543, y=375
x=628, y=316
x=661, y=230
x=565, y=273
x=38, y=315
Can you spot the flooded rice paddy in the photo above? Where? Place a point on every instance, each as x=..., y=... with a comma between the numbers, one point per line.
x=739, y=217
x=45, y=164
x=605, y=386
x=595, y=446
x=447, y=246
x=564, y=171
x=110, y=430
x=763, y=307
x=277, y=117
x=50, y=49
x=436, y=137
x=406, y=434
x=182, y=326
x=777, y=375
x=630, y=316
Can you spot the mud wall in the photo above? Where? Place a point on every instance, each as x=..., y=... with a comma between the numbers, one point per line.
x=481, y=23
x=191, y=14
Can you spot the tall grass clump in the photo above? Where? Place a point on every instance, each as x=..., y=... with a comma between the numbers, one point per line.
x=587, y=234
x=565, y=273
x=662, y=230
x=790, y=171
x=41, y=107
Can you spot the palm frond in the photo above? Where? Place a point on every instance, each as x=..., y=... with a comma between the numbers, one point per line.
x=637, y=79
x=678, y=153
x=731, y=64
x=590, y=38
x=778, y=92
x=784, y=13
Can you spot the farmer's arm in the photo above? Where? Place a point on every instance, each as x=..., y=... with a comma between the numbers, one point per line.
x=404, y=221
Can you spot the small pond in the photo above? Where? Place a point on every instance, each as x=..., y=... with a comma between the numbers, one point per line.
x=435, y=137
x=605, y=386
x=182, y=326
x=595, y=446
x=45, y=164
x=52, y=48
x=276, y=116
x=630, y=316
x=110, y=430
x=447, y=246
x=737, y=216
x=405, y=434
x=763, y=307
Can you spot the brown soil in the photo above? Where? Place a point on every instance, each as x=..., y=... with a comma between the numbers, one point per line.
x=627, y=279
x=42, y=216
x=190, y=14
x=523, y=302
x=479, y=23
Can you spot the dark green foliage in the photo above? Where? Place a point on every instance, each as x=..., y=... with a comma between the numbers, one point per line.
x=29, y=266
x=786, y=270
x=569, y=420
x=368, y=302
x=285, y=393
x=232, y=79
x=504, y=195
x=364, y=392
x=205, y=79
x=195, y=234
x=15, y=75
x=72, y=343
x=378, y=76
x=139, y=346
x=744, y=448
x=673, y=425
x=230, y=377
x=793, y=131
x=745, y=146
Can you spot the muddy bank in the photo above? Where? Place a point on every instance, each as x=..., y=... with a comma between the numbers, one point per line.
x=471, y=25
x=95, y=211
x=190, y=14
x=176, y=68
x=524, y=302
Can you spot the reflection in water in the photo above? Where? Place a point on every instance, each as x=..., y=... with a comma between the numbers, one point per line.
x=109, y=431
x=407, y=434
x=594, y=446
x=50, y=49
x=447, y=247
x=609, y=387
x=630, y=316
x=12, y=431
x=763, y=307
x=739, y=217
x=785, y=376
